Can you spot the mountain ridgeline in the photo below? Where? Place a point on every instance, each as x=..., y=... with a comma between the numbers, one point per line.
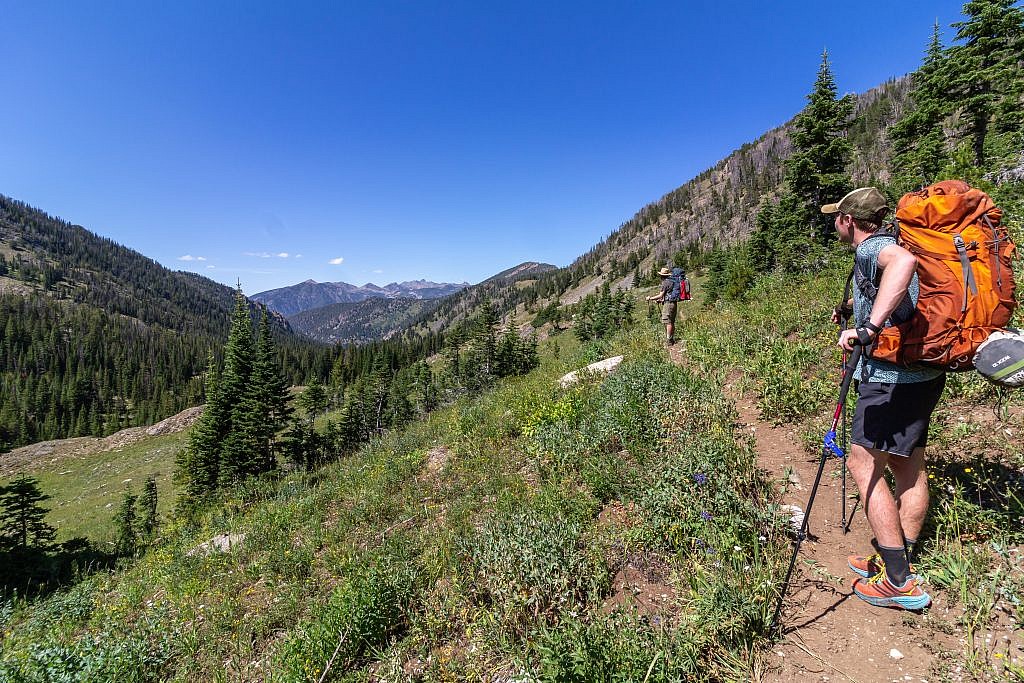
x=95, y=337
x=402, y=317
x=311, y=294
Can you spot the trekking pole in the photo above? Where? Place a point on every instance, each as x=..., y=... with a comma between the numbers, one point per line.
x=844, y=321
x=844, y=437
x=829, y=447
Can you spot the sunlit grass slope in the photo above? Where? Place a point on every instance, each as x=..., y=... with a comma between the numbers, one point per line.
x=479, y=544
x=86, y=490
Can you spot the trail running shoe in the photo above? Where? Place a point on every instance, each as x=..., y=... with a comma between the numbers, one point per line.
x=880, y=592
x=866, y=566
x=869, y=566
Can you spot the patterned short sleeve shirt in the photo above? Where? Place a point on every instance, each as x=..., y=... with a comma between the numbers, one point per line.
x=878, y=370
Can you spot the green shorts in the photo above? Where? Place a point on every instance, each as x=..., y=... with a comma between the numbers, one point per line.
x=668, y=312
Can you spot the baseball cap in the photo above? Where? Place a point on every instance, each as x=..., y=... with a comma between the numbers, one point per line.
x=864, y=203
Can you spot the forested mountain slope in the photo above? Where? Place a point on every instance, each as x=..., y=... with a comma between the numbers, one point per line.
x=359, y=322
x=95, y=337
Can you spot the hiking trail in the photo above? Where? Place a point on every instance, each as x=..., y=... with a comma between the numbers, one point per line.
x=828, y=633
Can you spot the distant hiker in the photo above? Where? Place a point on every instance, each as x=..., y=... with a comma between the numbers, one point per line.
x=672, y=284
x=894, y=406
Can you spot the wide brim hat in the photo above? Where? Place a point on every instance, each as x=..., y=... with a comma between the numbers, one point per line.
x=664, y=272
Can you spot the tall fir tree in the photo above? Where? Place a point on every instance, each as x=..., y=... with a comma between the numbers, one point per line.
x=148, y=503
x=985, y=68
x=269, y=391
x=199, y=464
x=22, y=518
x=794, y=231
x=126, y=523
x=918, y=139
x=235, y=385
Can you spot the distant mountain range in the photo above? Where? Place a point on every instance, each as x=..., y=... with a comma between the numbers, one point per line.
x=310, y=294
x=382, y=312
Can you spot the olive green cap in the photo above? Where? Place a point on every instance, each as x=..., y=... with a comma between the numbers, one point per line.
x=864, y=203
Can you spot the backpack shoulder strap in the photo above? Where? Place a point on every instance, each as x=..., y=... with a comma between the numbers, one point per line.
x=868, y=286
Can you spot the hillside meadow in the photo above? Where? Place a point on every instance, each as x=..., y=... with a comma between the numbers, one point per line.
x=491, y=541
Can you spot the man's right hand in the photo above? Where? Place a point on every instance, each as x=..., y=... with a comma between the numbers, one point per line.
x=840, y=313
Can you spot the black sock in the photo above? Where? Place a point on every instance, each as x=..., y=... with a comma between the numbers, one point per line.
x=896, y=566
x=908, y=545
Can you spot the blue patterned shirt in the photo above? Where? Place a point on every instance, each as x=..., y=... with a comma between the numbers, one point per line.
x=879, y=370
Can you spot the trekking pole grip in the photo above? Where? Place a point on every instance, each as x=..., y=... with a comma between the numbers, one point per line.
x=851, y=366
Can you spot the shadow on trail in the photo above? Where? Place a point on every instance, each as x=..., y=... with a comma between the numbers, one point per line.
x=832, y=607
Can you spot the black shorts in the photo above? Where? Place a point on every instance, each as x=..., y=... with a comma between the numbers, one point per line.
x=894, y=417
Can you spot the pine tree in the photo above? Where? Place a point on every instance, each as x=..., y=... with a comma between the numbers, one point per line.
x=148, y=507
x=795, y=230
x=125, y=521
x=22, y=518
x=919, y=146
x=199, y=465
x=235, y=386
x=484, y=339
x=313, y=400
x=272, y=387
x=817, y=169
x=985, y=69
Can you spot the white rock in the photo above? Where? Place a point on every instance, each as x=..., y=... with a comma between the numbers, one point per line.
x=220, y=543
x=796, y=515
x=602, y=366
x=895, y=654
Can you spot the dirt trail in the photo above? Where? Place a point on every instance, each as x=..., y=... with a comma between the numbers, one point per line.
x=830, y=634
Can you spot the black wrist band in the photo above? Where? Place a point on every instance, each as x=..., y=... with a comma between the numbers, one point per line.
x=863, y=336
x=873, y=327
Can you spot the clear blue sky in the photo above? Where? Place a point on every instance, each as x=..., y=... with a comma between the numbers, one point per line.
x=420, y=139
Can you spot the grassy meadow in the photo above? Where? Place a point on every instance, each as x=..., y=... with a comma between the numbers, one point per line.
x=87, y=490
x=489, y=541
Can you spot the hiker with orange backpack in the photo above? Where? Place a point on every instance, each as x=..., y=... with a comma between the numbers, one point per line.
x=894, y=406
x=928, y=299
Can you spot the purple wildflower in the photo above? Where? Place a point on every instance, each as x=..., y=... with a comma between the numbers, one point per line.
x=706, y=516
x=700, y=478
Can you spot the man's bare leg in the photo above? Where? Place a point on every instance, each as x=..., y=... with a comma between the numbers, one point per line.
x=911, y=491
x=868, y=468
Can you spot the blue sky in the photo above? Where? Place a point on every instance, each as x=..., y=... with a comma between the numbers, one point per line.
x=404, y=140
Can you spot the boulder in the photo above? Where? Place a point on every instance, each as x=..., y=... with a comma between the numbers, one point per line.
x=600, y=367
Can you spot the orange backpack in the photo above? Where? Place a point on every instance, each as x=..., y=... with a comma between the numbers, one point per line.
x=965, y=273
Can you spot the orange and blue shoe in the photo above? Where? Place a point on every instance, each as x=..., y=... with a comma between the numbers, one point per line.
x=870, y=565
x=866, y=566
x=881, y=592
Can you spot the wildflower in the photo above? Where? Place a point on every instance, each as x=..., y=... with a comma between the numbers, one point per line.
x=700, y=478
x=706, y=516
x=967, y=469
